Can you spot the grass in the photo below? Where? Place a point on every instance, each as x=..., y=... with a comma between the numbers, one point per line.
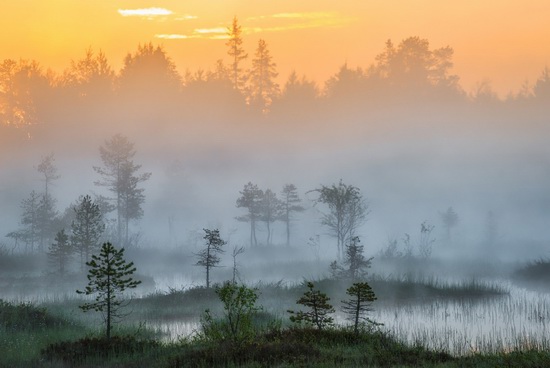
x=45, y=337
x=56, y=333
x=24, y=329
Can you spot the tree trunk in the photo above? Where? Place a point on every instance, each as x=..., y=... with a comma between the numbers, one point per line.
x=357, y=313
x=287, y=229
x=108, y=307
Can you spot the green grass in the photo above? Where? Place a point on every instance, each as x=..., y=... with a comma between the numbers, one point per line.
x=32, y=336
x=25, y=328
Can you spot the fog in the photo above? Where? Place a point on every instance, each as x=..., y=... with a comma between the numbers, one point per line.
x=406, y=135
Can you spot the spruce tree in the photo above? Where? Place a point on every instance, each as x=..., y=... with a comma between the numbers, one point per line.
x=355, y=264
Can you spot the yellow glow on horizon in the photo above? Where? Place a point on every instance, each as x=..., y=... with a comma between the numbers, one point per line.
x=504, y=42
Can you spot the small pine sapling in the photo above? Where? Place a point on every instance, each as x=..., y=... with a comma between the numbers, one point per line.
x=318, y=309
x=108, y=277
x=359, y=304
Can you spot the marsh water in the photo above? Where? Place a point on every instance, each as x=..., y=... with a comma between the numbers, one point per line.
x=520, y=319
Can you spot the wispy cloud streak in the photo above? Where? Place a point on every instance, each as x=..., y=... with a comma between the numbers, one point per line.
x=145, y=12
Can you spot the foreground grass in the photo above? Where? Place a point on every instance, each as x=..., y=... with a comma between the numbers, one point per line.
x=32, y=337
x=285, y=348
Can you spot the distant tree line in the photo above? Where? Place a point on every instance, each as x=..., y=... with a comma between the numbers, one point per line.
x=35, y=100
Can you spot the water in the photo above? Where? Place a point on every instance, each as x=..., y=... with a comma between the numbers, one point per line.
x=520, y=320
x=511, y=322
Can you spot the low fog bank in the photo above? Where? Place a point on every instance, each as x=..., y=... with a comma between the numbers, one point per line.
x=409, y=171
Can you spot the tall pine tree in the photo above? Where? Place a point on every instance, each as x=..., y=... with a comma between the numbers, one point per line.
x=263, y=88
x=120, y=175
x=87, y=228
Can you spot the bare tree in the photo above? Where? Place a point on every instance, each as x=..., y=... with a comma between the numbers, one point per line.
x=426, y=241
x=236, y=251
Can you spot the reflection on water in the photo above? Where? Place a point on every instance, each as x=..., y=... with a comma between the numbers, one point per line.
x=174, y=330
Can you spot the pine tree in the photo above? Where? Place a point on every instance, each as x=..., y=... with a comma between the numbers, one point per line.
x=262, y=79
x=60, y=252
x=251, y=197
x=237, y=54
x=108, y=277
x=318, y=309
x=119, y=174
x=29, y=220
x=87, y=228
x=270, y=211
x=450, y=219
x=290, y=203
x=46, y=216
x=47, y=168
x=359, y=304
x=354, y=261
x=209, y=256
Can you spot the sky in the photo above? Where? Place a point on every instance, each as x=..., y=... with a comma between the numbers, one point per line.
x=504, y=43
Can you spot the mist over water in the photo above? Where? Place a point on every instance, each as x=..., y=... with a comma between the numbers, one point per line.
x=403, y=131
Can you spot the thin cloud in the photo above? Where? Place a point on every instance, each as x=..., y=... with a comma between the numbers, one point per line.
x=221, y=30
x=305, y=15
x=172, y=36
x=297, y=21
x=217, y=33
x=314, y=15
x=145, y=12
x=186, y=17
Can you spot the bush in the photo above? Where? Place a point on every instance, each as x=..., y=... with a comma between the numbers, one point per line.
x=239, y=304
x=26, y=317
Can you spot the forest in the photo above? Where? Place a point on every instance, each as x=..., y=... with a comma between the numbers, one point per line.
x=230, y=216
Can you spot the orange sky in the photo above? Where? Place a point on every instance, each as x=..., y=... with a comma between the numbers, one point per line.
x=506, y=42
